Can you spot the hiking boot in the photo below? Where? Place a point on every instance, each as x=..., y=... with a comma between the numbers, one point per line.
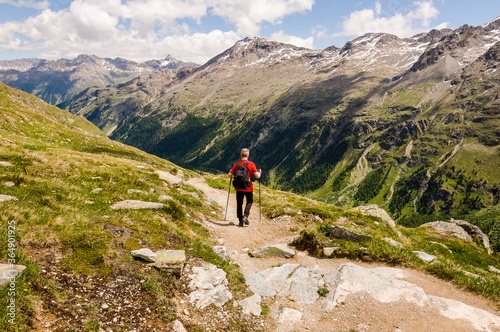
x=241, y=223
x=245, y=221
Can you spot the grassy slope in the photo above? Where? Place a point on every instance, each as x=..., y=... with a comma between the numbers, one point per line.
x=58, y=160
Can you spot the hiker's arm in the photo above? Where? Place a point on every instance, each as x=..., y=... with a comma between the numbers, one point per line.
x=258, y=173
x=229, y=174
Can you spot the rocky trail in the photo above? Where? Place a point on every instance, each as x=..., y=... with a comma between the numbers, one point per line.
x=361, y=296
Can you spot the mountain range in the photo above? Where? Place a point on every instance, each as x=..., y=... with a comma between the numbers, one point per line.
x=56, y=81
x=409, y=124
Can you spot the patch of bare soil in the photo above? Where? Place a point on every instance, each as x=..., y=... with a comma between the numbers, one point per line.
x=359, y=312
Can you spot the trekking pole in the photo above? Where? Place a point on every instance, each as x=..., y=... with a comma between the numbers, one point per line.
x=228, y=192
x=260, y=205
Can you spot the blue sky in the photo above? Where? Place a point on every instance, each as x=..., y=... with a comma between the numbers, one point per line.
x=196, y=30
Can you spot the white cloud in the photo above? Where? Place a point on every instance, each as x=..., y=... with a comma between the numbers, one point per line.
x=143, y=29
x=40, y=5
x=248, y=15
x=280, y=36
x=319, y=31
x=404, y=25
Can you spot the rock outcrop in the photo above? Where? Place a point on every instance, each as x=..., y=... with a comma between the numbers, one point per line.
x=209, y=286
x=340, y=232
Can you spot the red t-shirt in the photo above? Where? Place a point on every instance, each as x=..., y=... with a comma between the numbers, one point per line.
x=251, y=169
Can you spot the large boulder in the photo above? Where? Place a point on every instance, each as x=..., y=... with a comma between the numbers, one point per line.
x=209, y=284
x=275, y=250
x=350, y=278
x=460, y=229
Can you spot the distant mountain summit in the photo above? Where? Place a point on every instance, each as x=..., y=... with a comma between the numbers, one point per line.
x=411, y=124
x=56, y=81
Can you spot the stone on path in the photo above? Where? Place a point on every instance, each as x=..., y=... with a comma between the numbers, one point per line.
x=480, y=319
x=171, y=260
x=340, y=232
x=304, y=288
x=209, y=284
x=275, y=250
x=425, y=256
x=136, y=205
x=6, y=163
x=349, y=278
x=4, y=198
x=289, y=316
x=9, y=184
x=145, y=253
x=9, y=273
x=259, y=285
x=251, y=305
x=221, y=251
x=170, y=178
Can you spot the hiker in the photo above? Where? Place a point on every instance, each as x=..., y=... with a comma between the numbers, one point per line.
x=243, y=185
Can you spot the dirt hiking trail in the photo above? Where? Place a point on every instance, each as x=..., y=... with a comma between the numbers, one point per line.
x=359, y=312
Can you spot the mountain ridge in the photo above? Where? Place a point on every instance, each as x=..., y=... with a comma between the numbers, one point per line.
x=57, y=81
x=382, y=120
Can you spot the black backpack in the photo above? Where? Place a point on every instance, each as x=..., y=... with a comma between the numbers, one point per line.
x=241, y=177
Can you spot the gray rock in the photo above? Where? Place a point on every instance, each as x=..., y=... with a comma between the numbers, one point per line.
x=209, y=284
x=473, y=230
x=329, y=251
x=135, y=191
x=145, y=253
x=251, y=305
x=376, y=211
x=170, y=178
x=165, y=198
x=4, y=198
x=481, y=320
x=448, y=229
x=424, y=256
x=9, y=273
x=350, y=279
x=259, y=285
x=393, y=242
x=305, y=290
x=221, y=251
x=171, y=260
x=340, y=232
x=289, y=316
x=96, y=190
x=9, y=184
x=278, y=276
x=6, y=163
x=276, y=250
x=136, y=205
x=177, y=325
x=493, y=269
x=389, y=272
